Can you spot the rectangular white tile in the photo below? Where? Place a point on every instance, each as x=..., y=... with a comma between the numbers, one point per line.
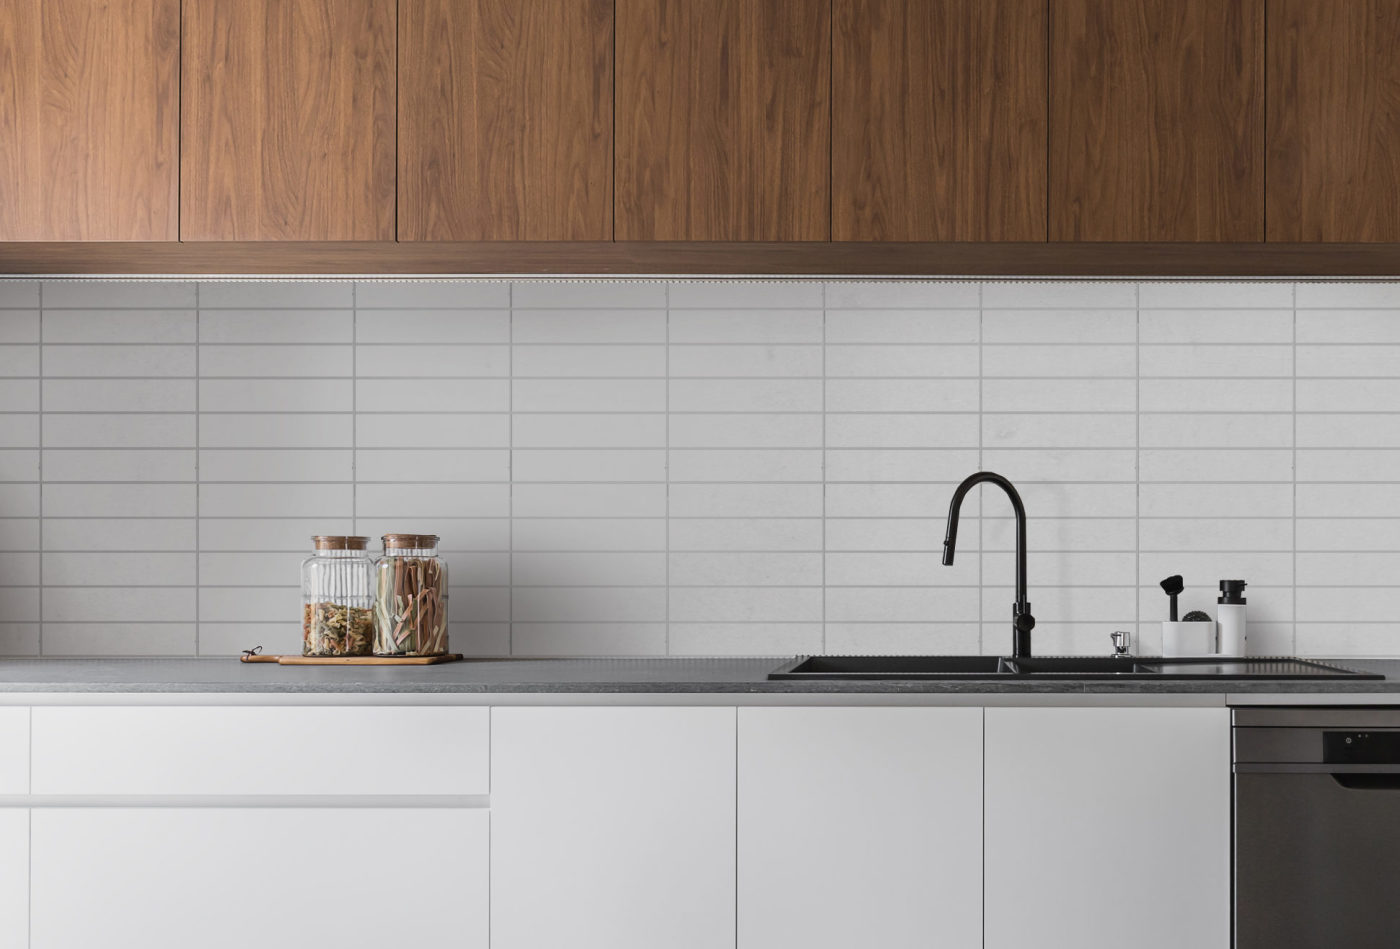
x=432, y=500
x=745, y=639
x=1359, y=294
x=591, y=568
x=745, y=534
x=1083, y=294
x=745, y=569
x=746, y=604
x=620, y=430
x=432, y=464
x=905, y=430
x=588, y=639
x=1215, y=295
x=588, y=362
x=886, y=639
x=745, y=431
x=588, y=500
x=583, y=465
x=1064, y=430
x=559, y=535
x=280, y=465
x=19, y=326
x=404, y=430
x=1216, y=430
x=1380, y=500
x=290, y=430
x=19, y=431
x=119, y=604
x=900, y=604
x=1216, y=395
x=902, y=395
x=741, y=294
x=286, y=361
x=269, y=294
x=432, y=327
x=588, y=327
x=135, y=294
x=19, y=395
x=903, y=294
x=1023, y=327
x=119, y=500
x=275, y=500
x=901, y=327
x=588, y=395
x=1065, y=362
x=19, y=361
x=122, y=639
x=1059, y=395
x=119, y=326
x=396, y=294
x=84, y=569
x=276, y=326
x=1348, y=326
x=745, y=326
x=745, y=500
x=1215, y=360
x=600, y=294
x=18, y=293
x=1258, y=465
x=588, y=604
x=119, y=395
x=119, y=431
x=746, y=464
x=906, y=361
x=741, y=362
x=1216, y=326
x=744, y=395
x=19, y=464
x=900, y=464
x=1347, y=395
x=121, y=361
x=432, y=395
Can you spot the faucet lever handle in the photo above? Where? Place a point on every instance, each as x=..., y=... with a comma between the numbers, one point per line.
x=1122, y=642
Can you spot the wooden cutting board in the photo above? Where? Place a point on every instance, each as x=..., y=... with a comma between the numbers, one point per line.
x=250, y=656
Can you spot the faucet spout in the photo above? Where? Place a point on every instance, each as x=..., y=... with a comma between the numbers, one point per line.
x=1022, y=622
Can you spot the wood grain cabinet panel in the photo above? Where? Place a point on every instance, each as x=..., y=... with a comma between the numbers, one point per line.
x=505, y=120
x=939, y=120
x=89, y=120
x=1334, y=120
x=1157, y=120
x=723, y=120
x=287, y=129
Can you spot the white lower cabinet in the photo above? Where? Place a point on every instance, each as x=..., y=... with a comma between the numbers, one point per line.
x=612, y=828
x=14, y=878
x=1107, y=827
x=274, y=878
x=860, y=827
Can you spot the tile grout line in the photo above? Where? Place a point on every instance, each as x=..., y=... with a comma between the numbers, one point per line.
x=40, y=644
x=1137, y=466
x=981, y=420
x=198, y=482
x=354, y=409
x=510, y=467
x=823, y=463
x=667, y=625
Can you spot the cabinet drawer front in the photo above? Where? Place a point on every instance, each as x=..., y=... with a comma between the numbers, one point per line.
x=265, y=877
x=14, y=751
x=270, y=751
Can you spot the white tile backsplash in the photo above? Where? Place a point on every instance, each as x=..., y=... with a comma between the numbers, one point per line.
x=699, y=466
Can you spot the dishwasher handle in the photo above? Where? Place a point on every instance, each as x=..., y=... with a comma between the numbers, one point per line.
x=1368, y=780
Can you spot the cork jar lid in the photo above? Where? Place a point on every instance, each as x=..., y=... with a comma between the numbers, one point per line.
x=340, y=542
x=409, y=541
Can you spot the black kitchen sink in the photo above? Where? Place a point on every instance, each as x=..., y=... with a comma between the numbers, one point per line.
x=857, y=668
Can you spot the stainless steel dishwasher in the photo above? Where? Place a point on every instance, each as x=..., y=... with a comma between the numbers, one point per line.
x=1317, y=828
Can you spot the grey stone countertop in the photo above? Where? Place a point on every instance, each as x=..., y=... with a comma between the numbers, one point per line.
x=620, y=675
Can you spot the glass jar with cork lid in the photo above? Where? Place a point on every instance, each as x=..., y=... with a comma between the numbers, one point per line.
x=337, y=595
x=410, y=604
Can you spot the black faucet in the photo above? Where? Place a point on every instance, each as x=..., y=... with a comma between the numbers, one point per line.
x=1022, y=622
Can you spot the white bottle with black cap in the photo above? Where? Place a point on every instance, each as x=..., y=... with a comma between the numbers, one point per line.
x=1230, y=615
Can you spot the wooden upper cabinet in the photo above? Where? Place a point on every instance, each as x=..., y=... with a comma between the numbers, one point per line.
x=505, y=120
x=1157, y=120
x=723, y=120
x=287, y=129
x=89, y=120
x=1334, y=120
x=939, y=120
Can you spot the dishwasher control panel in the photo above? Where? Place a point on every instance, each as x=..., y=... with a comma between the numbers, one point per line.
x=1361, y=747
